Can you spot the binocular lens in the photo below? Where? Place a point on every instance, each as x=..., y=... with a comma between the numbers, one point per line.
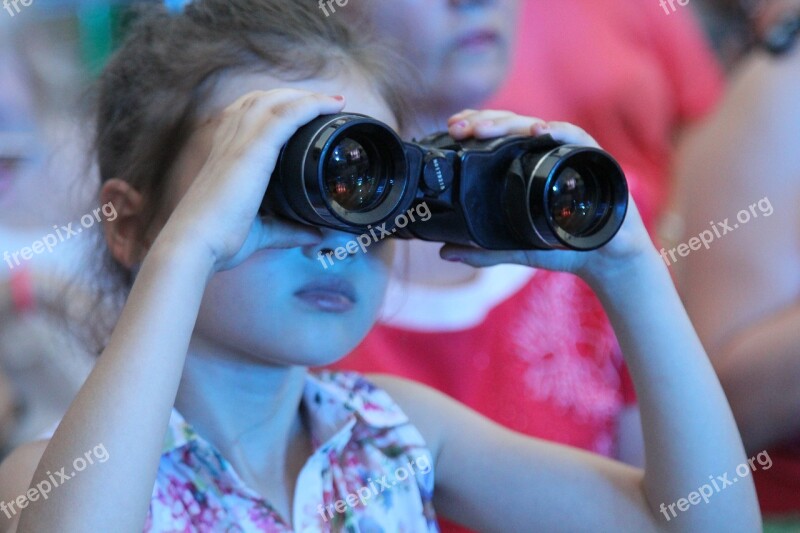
x=353, y=179
x=576, y=197
x=345, y=171
x=575, y=201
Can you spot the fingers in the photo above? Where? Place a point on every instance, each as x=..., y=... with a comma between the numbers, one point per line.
x=570, y=134
x=490, y=124
x=483, y=258
x=263, y=121
x=247, y=139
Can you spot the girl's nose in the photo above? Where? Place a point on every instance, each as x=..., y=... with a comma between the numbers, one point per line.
x=336, y=246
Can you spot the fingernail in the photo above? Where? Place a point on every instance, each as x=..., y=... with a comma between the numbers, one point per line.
x=454, y=259
x=339, y=97
x=461, y=124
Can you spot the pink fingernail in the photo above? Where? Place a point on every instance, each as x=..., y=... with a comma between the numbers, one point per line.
x=454, y=259
x=461, y=124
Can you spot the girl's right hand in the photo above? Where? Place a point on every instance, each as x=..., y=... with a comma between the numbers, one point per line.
x=218, y=214
x=614, y=260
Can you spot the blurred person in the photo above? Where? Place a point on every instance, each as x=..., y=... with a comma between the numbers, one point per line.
x=533, y=350
x=42, y=122
x=39, y=161
x=740, y=172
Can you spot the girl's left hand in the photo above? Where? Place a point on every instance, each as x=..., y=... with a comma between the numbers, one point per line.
x=632, y=240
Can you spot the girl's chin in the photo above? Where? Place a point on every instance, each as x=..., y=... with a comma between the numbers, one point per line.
x=315, y=353
x=472, y=91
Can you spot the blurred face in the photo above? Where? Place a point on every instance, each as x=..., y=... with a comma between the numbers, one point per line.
x=283, y=306
x=461, y=47
x=17, y=142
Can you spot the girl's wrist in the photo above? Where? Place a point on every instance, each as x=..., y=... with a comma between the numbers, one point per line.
x=170, y=250
x=610, y=281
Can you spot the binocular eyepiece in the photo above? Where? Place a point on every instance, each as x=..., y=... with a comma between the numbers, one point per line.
x=351, y=173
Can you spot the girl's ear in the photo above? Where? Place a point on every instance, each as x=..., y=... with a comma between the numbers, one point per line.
x=123, y=233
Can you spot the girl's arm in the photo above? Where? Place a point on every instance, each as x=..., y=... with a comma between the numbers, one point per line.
x=493, y=479
x=126, y=402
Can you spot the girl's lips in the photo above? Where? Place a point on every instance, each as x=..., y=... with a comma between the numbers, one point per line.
x=333, y=295
x=478, y=39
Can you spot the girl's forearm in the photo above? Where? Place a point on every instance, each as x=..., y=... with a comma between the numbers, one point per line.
x=689, y=431
x=125, y=403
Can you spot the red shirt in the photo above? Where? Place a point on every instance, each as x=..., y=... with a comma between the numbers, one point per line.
x=543, y=361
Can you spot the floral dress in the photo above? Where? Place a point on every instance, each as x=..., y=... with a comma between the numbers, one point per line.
x=370, y=472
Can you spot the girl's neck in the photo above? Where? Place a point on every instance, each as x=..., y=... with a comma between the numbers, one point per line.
x=249, y=411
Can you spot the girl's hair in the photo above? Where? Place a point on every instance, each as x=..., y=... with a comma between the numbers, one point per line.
x=151, y=92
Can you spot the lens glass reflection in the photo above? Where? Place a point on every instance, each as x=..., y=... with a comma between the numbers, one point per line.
x=575, y=202
x=353, y=178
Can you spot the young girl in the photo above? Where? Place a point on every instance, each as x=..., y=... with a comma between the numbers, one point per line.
x=228, y=309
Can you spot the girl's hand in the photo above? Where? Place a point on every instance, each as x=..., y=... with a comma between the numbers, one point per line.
x=219, y=211
x=631, y=242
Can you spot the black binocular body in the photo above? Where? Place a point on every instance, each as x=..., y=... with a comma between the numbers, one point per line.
x=353, y=173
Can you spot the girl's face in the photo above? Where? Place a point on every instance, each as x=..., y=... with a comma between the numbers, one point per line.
x=283, y=306
x=461, y=47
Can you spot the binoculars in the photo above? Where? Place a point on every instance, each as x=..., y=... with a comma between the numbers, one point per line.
x=352, y=173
